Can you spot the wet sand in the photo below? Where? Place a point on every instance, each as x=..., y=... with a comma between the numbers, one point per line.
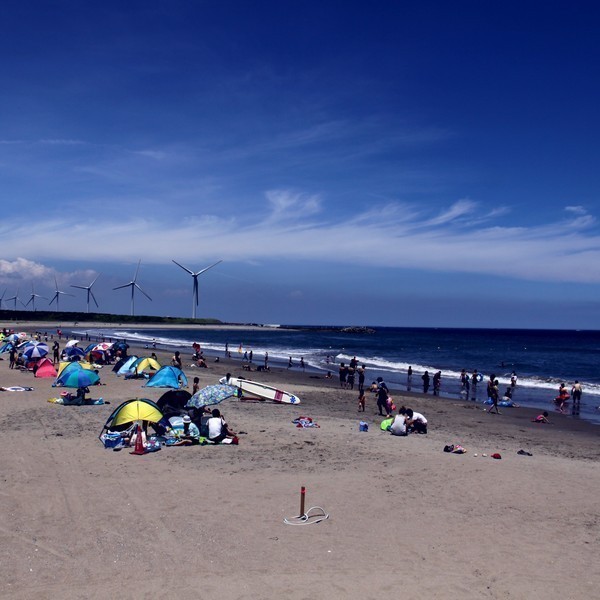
x=406, y=518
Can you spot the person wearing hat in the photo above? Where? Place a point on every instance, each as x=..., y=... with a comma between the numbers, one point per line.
x=190, y=430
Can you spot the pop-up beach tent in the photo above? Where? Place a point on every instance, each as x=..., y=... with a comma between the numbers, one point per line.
x=131, y=411
x=145, y=364
x=168, y=377
x=125, y=367
x=45, y=368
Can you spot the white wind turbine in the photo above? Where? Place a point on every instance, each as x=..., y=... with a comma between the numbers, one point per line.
x=57, y=294
x=90, y=294
x=14, y=299
x=195, y=288
x=32, y=298
x=133, y=284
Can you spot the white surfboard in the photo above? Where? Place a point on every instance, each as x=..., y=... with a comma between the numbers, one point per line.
x=253, y=388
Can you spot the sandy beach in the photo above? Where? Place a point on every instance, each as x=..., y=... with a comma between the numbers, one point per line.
x=406, y=518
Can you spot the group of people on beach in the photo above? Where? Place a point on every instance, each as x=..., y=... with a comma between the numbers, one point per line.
x=349, y=373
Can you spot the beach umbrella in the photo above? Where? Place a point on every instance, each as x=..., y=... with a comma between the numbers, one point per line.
x=212, y=394
x=74, y=351
x=71, y=343
x=78, y=378
x=35, y=350
x=122, y=346
x=13, y=337
x=103, y=346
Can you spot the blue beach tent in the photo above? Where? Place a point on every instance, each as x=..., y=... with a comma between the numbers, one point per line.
x=125, y=368
x=168, y=377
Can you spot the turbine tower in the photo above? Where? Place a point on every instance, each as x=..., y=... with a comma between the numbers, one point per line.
x=133, y=284
x=88, y=288
x=14, y=299
x=57, y=294
x=195, y=288
x=32, y=299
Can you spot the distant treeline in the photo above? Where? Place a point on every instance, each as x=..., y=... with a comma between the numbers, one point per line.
x=6, y=316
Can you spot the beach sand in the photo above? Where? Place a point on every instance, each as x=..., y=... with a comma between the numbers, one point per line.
x=406, y=518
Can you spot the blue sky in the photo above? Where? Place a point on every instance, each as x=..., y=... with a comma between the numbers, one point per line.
x=384, y=163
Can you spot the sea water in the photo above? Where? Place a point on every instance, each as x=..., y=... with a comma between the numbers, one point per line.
x=542, y=359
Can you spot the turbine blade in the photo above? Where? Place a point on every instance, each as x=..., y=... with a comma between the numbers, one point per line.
x=184, y=268
x=141, y=290
x=94, y=298
x=123, y=286
x=137, y=271
x=207, y=268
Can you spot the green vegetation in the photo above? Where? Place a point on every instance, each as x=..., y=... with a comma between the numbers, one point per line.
x=7, y=316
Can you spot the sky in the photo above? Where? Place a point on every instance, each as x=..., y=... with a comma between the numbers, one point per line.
x=350, y=163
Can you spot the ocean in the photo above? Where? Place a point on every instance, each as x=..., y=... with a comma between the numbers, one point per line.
x=542, y=359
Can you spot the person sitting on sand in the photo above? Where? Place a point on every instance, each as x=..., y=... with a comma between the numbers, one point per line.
x=399, y=427
x=543, y=418
x=176, y=360
x=415, y=421
x=196, y=385
x=190, y=430
x=217, y=428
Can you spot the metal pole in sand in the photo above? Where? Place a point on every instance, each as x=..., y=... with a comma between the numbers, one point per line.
x=302, y=497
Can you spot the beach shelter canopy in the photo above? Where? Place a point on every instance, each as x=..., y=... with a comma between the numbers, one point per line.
x=76, y=378
x=145, y=364
x=173, y=401
x=125, y=367
x=137, y=409
x=75, y=365
x=71, y=343
x=6, y=347
x=45, y=368
x=168, y=377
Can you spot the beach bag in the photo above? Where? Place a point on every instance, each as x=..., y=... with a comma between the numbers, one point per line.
x=112, y=440
x=363, y=426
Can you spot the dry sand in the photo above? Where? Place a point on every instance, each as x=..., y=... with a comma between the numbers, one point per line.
x=406, y=519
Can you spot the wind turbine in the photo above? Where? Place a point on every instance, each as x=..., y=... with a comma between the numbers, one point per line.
x=57, y=294
x=88, y=288
x=15, y=298
x=195, y=288
x=32, y=299
x=133, y=284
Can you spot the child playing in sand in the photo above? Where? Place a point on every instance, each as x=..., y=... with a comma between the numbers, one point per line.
x=543, y=418
x=361, y=401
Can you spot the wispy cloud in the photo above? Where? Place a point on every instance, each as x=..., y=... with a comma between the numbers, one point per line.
x=393, y=236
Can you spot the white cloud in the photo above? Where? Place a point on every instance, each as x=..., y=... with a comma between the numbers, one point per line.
x=391, y=236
